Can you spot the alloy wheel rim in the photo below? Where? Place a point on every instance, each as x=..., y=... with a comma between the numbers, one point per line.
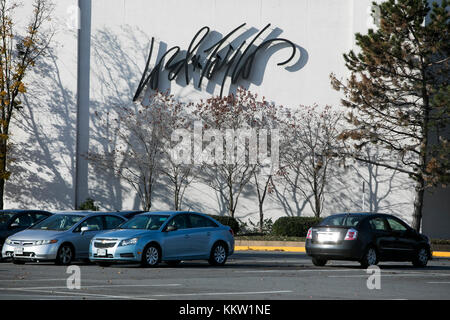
x=371, y=257
x=152, y=255
x=219, y=254
x=423, y=256
x=65, y=255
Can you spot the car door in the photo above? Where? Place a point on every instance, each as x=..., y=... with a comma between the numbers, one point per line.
x=405, y=241
x=200, y=235
x=177, y=244
x=81, y=240
x=382, y=236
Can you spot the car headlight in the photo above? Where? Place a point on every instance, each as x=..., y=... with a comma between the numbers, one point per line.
x=8, y=241
x=39, y=242
x=128, y=242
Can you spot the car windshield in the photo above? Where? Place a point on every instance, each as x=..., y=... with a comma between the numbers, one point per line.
x=341, y=220
x=147, y=222
x=4, y=217
x=58, y=222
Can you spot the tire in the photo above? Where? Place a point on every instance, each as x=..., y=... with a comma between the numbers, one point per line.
x=421, y=258
x=15, y=261
x=219, y=254
x=173, y=263
x=318, y=262
x=151, y=256
x=65, y=255
x=370, y=258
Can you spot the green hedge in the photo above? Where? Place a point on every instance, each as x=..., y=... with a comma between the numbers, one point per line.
x=227, y=221
x=294, y=226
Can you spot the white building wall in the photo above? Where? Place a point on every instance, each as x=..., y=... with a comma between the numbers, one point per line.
x=121, y=31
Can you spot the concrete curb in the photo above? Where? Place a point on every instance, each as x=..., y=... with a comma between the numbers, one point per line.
x=292, y=246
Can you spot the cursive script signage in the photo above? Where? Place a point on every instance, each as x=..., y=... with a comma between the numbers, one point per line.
x=235, y=62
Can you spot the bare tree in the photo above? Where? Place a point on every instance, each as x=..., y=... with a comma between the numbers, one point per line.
x=232, y=169
x=18, y=54
x=136, y=158
x=308, y=149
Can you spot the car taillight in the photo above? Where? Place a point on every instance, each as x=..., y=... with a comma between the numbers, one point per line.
x=351, y=234
x=231, y=231
x=309, y=234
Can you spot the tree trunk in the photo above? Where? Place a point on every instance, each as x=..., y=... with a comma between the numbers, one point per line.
x=2, y=173
x=418, y=204
x=261, y=217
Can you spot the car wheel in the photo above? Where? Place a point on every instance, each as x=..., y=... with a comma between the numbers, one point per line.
x=173, y=263
x=65, y=255
x=421, y=258
x=151, y=256
x=370, y=258
x=319, y=262
x=218, y=255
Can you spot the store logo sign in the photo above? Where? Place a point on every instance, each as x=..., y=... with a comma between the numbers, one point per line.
x=236, y=62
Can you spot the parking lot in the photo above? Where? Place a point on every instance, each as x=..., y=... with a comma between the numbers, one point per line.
x=247, y=275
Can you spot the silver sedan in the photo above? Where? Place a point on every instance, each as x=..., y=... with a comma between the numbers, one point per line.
x=62, y=237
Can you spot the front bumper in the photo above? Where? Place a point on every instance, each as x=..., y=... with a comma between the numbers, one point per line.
x=115, y=253
x=30, y=253
x=344, y=250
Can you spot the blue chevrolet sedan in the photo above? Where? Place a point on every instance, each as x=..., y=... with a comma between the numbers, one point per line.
x=169, y=236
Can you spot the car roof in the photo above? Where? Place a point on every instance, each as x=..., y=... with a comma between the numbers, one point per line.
x=80, y=212
x=22, y=210
x=169, y=212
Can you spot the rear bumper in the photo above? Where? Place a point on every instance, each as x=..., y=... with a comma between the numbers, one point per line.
x=346, y=250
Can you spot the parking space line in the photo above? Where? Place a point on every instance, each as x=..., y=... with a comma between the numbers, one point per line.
x=440, y=282
x=99, y=286
x=95, y=295
x=217, y=293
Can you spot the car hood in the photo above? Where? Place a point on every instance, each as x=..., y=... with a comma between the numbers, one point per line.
x=31, y=234
x=124, y=233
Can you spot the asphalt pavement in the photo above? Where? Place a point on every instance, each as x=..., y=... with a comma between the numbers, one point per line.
x=250, y=275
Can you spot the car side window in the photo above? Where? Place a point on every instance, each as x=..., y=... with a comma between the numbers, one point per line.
x=198, y=221
x=396, y=225
x=38, y=217
x=24, y=220
x=94, y=224
x=179, y=221
x=112, y=222
x=378, y=224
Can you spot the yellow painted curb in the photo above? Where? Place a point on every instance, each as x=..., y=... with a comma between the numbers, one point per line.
x=269, y=248
x=441, y=254
x=437, y=254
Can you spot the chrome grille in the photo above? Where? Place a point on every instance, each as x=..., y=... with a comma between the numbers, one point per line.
x=104, y=244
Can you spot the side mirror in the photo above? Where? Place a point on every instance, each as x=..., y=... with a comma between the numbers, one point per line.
x=171, y=228
x=84, y=229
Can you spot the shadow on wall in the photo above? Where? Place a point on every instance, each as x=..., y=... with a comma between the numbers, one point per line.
x=43, y=170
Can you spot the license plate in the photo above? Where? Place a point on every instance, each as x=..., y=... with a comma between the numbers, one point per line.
x=18, y=251
x=101, y=252
x=327, y=237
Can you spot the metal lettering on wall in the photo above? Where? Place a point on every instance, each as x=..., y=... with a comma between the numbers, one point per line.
x=234, y=63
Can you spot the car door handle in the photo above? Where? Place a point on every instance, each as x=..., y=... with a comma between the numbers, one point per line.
x=186, y=236
x=208, y=234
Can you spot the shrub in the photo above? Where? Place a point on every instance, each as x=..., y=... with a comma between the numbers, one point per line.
x=227, y=221
x=88, y=205
x=294, y=226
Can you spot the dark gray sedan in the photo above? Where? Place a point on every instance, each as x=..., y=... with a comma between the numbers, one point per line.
x=367, y=238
